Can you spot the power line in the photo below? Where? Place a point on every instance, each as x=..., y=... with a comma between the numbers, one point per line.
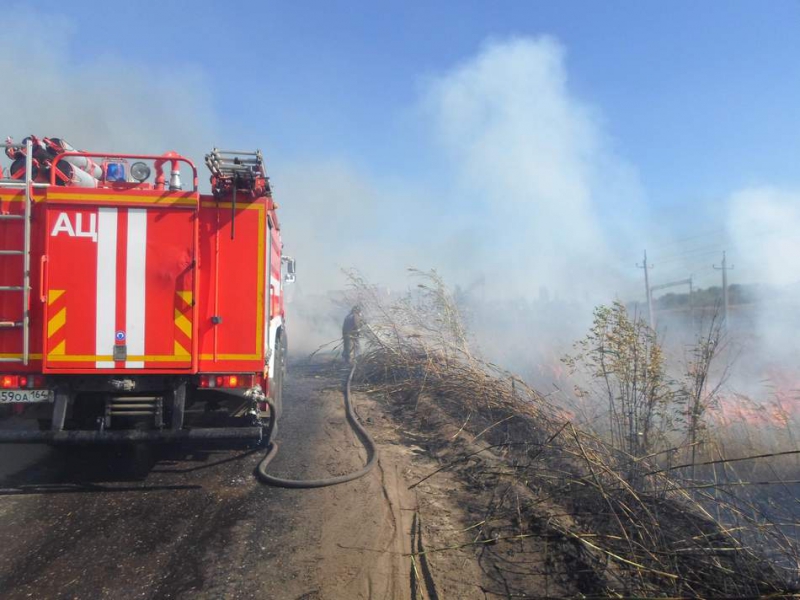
x=708, y=249
x=715, y=248
x=692, y=254
x=691, y=237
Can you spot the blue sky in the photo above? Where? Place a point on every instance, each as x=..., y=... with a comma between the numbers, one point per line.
x=698, y=99
x=702, y=96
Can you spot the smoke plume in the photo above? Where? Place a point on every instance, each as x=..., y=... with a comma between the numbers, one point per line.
x=105, y=103
x=533, y=163
x=532, y=198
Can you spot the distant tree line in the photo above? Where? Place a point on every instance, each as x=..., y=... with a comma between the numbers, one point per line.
x=701, y=298
x=711, y=296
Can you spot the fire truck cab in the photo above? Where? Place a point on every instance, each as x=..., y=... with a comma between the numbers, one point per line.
x=133, y=308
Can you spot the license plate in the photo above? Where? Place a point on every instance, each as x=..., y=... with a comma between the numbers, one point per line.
x=30, y=396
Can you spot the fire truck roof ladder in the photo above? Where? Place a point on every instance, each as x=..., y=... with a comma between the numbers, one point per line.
x=27, y=184
x=246, y=169
x=232, y=170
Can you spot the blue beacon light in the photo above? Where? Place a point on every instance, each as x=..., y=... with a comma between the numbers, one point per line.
x=115, y=172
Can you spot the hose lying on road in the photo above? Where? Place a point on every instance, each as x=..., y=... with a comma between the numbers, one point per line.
x=352, y=419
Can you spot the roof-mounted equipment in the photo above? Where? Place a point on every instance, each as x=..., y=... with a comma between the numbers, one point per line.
x=233, y=171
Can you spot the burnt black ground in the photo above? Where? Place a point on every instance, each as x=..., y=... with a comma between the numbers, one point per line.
x=168, y=522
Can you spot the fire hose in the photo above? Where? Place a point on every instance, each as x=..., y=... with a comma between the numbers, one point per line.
x=356, y=426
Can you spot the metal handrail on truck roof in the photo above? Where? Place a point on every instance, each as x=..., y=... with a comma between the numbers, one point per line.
x=158, y=160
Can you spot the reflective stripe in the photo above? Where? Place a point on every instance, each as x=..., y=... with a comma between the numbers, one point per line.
x=135, y=285
x=106, y=283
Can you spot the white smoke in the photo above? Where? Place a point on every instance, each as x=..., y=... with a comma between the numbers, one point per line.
x=108, y=103
x=336, y=219
x=531, y=195
x=764, y=227
x=535, y=169
x=549, y=206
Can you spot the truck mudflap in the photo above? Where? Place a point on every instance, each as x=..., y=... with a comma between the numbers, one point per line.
x=130, y=436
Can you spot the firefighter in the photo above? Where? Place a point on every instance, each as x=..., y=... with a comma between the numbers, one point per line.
x=351, y=332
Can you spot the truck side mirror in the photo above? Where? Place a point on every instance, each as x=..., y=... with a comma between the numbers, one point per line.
x=291, y=272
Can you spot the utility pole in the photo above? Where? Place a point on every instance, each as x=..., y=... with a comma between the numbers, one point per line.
x=651, y=315
x=724, y=268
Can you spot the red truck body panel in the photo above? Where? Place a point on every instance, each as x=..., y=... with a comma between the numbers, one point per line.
x=156, y=273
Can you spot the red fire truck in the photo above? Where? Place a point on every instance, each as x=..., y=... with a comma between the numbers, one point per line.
x=133, y=308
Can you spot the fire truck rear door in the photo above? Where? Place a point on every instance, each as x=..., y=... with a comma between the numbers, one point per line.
x=118, y=288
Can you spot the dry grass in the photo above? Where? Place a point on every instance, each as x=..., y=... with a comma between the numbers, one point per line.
x=640, y=532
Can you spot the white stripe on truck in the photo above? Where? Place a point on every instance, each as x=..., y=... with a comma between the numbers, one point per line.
x=135, y=285
x=106, y=283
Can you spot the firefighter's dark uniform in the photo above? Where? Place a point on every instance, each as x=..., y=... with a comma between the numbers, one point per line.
x=351, y=331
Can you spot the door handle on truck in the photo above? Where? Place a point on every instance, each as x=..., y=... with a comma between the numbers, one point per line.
x=42, y=295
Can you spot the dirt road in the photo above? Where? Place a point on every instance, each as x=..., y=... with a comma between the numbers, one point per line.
x=188, y=523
